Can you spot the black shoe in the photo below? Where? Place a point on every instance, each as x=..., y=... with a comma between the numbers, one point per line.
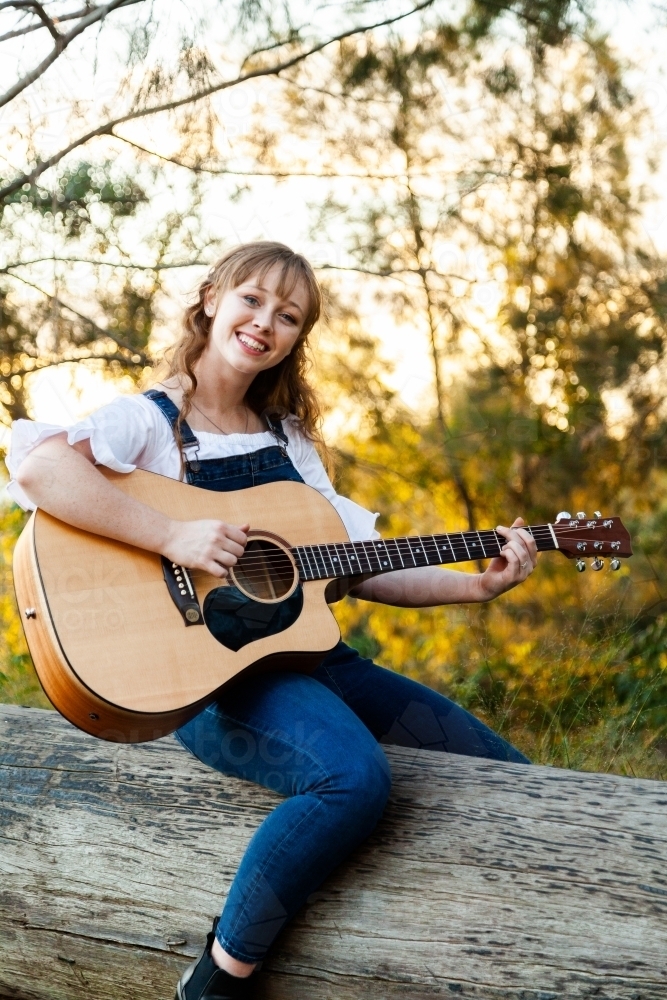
x=203, y=980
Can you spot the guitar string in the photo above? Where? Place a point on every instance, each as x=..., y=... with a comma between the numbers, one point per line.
x=272, y=560
x=426, y=544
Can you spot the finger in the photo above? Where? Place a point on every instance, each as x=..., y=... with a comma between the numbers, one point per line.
x=517, y=557
x=237, y=534
x=511, y=557
x=528, y=550
x=520, y=544
x=226, y=559
x=226, y=545
x=526, y=561
x=215, y=569
x=518, y=522
x=531, y=545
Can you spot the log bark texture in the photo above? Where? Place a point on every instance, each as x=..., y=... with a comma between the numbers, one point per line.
x=485, y=880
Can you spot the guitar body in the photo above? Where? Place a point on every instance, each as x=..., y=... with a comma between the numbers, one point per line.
x=111, y=649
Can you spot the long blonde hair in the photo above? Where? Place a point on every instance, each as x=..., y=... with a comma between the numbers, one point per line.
x=281, y=390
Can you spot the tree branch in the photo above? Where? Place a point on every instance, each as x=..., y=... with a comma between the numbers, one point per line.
x=39, y=10
x=280, y=174
x=99, y=330
x=108, y=127
x=62, y=41
x=72, y=16
x=9, y=268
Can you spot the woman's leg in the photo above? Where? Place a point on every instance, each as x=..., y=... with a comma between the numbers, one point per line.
x=403, y=712
x=291, y=734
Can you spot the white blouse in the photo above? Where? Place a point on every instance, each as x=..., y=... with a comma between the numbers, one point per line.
x=132, y=433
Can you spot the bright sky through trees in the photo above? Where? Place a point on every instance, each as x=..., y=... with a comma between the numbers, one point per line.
x=92, y=74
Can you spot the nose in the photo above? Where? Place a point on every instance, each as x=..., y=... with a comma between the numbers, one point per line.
x=263, y=319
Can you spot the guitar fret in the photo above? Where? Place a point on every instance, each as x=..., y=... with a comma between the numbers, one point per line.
x=472, y=546
x=448, y=544
x=419, y=551
x=491, y=542
x=373, y=554
x=320, y=561
x=299, y=563
x=353, y=558
x=459, y=546
x=406, y=542
x=303, y=555
x=360, y=549
x=338, y=559
x=312, y=555
x=329, y=570
x=398, y=551
x=343, y=553
x=383, y=555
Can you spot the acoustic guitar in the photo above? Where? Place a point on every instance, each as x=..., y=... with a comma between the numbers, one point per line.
x=129, y=646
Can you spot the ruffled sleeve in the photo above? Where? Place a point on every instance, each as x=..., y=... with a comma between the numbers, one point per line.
x=359, y=522
x=122, y=435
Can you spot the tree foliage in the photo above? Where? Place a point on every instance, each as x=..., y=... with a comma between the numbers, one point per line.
x=493, y=209
x=474, y=165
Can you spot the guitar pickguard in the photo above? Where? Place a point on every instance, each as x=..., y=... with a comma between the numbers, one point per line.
x=236, y=620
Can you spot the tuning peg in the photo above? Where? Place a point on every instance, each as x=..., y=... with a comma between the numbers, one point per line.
x=581, y=516
x=581, y=565
x=597, y=563
x=597, y=513
x=563, y=516
x=615, y=563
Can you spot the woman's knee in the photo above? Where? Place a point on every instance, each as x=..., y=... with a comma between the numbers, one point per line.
x=367, y=783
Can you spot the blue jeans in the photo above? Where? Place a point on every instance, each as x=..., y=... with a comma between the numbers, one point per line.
x=317, y=740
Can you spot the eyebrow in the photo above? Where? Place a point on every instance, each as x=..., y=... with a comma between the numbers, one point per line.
x=290, y=302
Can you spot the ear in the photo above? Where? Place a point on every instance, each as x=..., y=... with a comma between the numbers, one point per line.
x=210, y=301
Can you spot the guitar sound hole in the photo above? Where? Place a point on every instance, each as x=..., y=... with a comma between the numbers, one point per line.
x=265, y=572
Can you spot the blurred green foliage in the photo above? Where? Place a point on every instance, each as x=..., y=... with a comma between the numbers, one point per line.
x=492, y=210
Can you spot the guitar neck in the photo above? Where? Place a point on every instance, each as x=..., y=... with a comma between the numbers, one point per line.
x=384, y=555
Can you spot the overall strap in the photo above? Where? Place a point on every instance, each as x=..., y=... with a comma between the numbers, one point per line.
x=276, y=428
x=170, y=412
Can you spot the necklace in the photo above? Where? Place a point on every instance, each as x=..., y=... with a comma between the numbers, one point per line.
x=217, y=426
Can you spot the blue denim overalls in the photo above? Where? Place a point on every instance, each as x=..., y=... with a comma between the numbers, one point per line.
x=315, y=739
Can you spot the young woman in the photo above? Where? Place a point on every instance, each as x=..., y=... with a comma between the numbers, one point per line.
x=236, y=410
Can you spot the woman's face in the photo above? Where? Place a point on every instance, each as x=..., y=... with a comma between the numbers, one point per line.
x=254, y=327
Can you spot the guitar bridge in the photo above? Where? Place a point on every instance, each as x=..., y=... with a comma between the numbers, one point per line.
x=182, y=592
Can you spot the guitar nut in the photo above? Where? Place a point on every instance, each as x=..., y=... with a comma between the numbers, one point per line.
x=31, y=612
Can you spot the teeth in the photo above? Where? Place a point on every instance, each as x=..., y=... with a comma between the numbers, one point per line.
x=255, y=345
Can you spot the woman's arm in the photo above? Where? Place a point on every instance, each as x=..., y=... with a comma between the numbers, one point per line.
x=63, y=481
x=429, y=586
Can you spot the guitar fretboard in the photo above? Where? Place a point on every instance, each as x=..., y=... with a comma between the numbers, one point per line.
x=383, y=555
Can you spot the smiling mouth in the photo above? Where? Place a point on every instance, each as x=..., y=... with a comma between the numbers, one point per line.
x=250, y=344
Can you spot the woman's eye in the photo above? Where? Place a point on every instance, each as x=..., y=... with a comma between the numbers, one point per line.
x=251, y=300
x=288, y=318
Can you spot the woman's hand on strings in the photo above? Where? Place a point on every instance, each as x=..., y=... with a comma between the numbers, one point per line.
x=212, y=546
x=517, y=560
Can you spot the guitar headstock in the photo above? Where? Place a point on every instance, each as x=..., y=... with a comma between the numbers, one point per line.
x=581, y=536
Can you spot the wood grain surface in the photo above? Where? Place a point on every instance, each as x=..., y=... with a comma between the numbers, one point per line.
x=482, y=880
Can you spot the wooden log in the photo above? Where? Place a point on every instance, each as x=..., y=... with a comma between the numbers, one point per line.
x=482, y=880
